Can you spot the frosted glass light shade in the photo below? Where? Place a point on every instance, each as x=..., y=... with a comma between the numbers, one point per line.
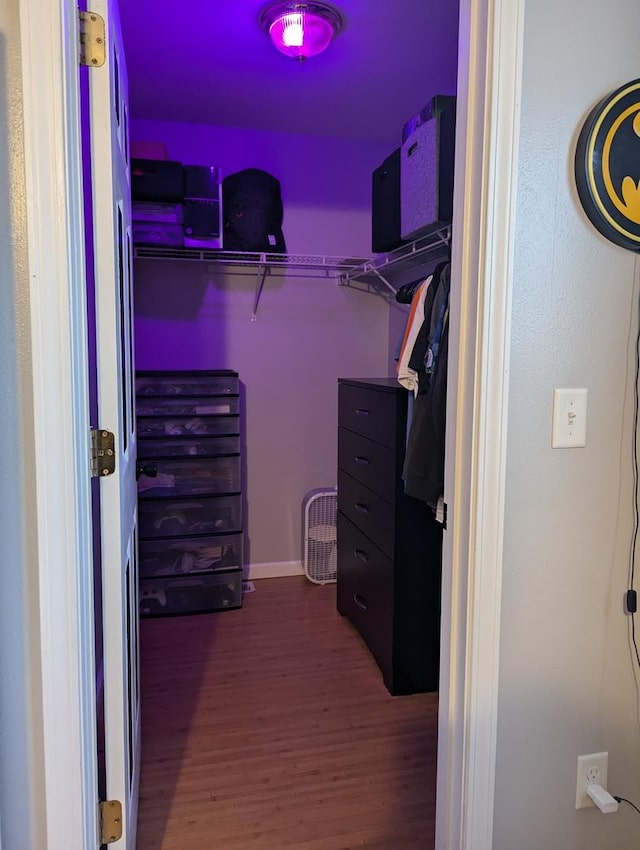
x=301, y=30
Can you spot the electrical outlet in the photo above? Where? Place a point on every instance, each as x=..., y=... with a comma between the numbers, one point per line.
x=592, y=770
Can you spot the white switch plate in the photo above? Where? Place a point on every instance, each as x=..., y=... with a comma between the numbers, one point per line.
x=592, y=770
x=569, y=419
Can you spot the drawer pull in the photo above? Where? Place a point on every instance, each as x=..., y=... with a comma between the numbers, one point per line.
x=360, y=601
x=361, y=508
x=363, y=461
x=361, y=555
x=361, y=411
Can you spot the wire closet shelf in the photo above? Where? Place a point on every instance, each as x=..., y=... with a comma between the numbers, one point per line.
x=413, y=255
x=347, y=270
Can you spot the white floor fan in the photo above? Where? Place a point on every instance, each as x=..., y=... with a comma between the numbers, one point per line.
x=320, y=509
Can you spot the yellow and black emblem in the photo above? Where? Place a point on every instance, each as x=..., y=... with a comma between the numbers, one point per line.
x=608, y=166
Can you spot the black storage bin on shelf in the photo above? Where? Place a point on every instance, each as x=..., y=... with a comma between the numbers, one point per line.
x=426, y=168
x=190, y=512
x=157, y=180
x=385, y=205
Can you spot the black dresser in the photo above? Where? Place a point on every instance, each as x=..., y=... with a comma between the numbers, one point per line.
x=389, y=544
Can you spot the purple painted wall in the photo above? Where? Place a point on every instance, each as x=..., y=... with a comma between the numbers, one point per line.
x=309, y=330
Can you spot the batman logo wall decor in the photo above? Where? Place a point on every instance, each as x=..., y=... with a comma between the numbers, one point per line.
x=608, y=166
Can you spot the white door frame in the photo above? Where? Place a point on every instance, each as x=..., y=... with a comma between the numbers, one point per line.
x=489, y=91
x=57, y=294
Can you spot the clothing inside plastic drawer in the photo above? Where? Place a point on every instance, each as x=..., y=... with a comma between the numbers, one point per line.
x=191, y=594
x=187, y=426
x=199, y=385
x=176, y=518
x=188, y=446
x=192, y=477
x=189, y=555
x=186, y=406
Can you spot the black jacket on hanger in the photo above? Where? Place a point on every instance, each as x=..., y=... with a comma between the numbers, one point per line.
x=423, y=471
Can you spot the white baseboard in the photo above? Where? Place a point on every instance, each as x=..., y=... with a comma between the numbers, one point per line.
x=273, y=570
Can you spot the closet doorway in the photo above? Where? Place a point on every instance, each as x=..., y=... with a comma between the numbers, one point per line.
x=323, y=146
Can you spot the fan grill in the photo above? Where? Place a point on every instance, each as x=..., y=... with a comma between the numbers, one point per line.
x=320, y=536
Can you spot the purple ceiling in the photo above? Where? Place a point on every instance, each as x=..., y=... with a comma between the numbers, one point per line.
x=208, y=61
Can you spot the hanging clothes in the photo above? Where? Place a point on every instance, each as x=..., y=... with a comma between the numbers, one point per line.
x=423, y=471
x=407, y=376
x=405, y=294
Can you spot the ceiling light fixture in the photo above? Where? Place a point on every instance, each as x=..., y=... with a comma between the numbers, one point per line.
x=301, y=30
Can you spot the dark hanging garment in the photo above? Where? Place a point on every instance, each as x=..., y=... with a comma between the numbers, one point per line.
x=252, y=212
x=423, y=471
x=416, y=360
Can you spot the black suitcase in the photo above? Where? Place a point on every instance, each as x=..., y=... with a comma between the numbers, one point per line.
x=252, y=212
x=385, y=205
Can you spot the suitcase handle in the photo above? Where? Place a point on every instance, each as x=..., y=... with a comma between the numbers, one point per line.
x=361, y=555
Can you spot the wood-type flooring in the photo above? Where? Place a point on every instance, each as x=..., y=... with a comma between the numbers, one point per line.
x=269, y=728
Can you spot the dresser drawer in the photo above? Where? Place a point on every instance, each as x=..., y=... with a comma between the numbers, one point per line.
x=368, y=511
x=370, y=463
x=365, y=591
x=368, y=412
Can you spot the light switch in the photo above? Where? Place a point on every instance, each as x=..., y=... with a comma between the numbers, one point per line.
x=569, y=419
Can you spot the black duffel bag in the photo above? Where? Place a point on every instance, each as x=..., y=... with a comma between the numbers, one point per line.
x=252, y=212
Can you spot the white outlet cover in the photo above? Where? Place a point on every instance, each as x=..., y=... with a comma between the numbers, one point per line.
x=569, y=419
x=592, y=770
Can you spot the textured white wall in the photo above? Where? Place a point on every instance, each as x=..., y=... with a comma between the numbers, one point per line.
x=566, y=673
x=309, y=330
x=21, y=787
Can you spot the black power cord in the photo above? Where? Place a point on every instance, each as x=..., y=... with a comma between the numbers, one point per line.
x=624, y=800
x=631, y=598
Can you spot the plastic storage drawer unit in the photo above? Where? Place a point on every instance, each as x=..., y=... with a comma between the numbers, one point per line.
x=189, y=447
x=176, y=517
x=185, y=383
x=186, y=406
x=190, y=510
x=188, y=426
x=191, y=595
x=187, y=555
x=191, y=476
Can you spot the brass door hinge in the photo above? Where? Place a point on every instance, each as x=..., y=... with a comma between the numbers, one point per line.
x=103, y=453
x=110, y=821
x=92, y=39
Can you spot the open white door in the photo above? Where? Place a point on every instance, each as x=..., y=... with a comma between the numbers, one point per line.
x=114, y=328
